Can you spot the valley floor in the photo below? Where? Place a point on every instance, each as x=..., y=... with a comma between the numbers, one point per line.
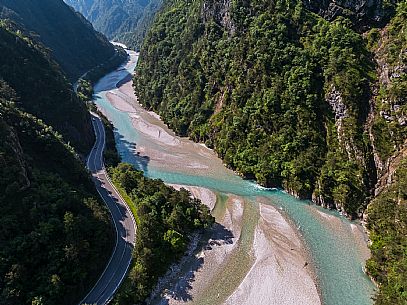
x=252, y=255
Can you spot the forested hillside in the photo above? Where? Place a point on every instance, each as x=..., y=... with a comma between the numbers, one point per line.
x=134, y=38
x=56, y=235
x=305, y=96
x=74, y=44
x=120, y=20
x=43, y=89
x=280, y=93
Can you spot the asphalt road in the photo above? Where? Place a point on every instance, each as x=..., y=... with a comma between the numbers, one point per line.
x=123, y=220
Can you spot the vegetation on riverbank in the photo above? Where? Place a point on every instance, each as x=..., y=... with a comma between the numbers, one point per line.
x=294, y=100
x=255, y=87
x=165, y=220
x=110, y=154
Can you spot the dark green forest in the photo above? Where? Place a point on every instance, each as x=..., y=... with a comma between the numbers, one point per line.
x=56, y=235
x=43, y=89
x=165, y=219
x=73, y=42
x=294, y=100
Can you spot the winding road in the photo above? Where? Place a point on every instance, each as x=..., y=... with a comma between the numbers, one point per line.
x=123, y=221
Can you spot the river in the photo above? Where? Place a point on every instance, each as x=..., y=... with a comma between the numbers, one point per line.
x=335, y=244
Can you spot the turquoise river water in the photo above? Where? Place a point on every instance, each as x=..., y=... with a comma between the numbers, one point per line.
x=336, y=252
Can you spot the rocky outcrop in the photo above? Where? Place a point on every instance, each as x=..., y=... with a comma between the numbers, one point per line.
x=220, y=12
x=340, y=111
x=364, y=13
x=388, y=107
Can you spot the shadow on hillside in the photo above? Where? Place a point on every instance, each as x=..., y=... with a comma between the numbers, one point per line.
x=180, y=285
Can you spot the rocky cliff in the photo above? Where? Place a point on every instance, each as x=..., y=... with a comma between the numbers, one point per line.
x=364, y=13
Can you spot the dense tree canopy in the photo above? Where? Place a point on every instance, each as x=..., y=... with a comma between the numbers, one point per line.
x=165, y=218
x=255, y=87
x=387, y=223
x=55, y=236
x=55, y=233
x=43, y=89
x=293, y=100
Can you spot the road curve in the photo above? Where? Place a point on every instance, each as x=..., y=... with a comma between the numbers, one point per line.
x=122, y=218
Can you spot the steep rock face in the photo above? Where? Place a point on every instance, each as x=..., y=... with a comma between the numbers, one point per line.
x=364, y=13
x=75, y=45
x=220, y=12
x=388, y=123
x=340, y=111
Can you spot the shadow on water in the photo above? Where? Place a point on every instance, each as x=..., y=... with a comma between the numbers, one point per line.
x=180, y=285
x=113, y=80
x=129, y=154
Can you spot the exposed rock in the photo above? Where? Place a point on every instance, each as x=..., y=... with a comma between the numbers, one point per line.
x=335, y=100
x=339, y=109
x=391, y=110
x=319, y=200
x=390, y=167
x=219, y=11
x=364, y=13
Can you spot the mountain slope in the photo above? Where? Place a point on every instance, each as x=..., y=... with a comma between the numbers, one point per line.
x=43, y=89
x=316, y=106
x=75, y=45
x=55, y=234
x=280, y=93
x=122, y=20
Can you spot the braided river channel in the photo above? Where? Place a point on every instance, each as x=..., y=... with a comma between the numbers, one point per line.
x=335, y=248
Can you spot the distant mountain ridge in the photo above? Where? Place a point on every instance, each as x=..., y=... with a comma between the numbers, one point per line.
x=122, y=20
x=75, y=45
